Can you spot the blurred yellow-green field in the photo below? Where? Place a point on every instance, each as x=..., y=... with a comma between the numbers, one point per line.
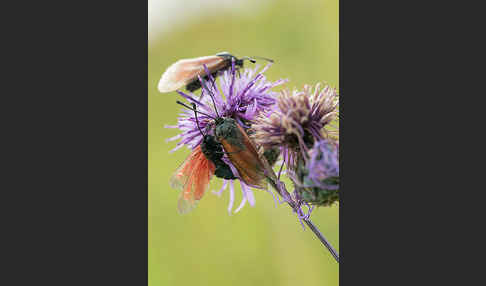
x=261, y=245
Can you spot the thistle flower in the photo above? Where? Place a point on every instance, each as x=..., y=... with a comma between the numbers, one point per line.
x=241, y=98
x=297, y=121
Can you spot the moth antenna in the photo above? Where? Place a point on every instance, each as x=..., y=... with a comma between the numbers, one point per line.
x=190, y=108
x=257, y=57
x=197, y=121
x=248, y=58
x=210, y=95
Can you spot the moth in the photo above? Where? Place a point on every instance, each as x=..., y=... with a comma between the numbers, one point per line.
x=194, y=175
x=185, y=72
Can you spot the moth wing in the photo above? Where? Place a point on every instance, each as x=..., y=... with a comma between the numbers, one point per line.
x=185, y=205
x=193, y=178
x=180, y=177
x=246, y=160
x=176, y=76
x=186, y=71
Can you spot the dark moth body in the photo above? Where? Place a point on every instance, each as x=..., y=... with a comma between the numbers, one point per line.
x=213, y=151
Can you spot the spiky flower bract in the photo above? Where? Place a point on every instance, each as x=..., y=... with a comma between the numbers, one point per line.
x=241, y=95
x=323, y=163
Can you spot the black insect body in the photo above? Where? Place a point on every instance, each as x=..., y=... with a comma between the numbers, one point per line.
x=213, y=151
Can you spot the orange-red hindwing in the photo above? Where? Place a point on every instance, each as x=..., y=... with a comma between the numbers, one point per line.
x=193, y=177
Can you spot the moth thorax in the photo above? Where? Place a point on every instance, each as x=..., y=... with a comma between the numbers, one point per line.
x=238, y=63
x=211, y=148
x=226, y=128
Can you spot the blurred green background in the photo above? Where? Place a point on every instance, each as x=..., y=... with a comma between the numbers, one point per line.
x=261, y=245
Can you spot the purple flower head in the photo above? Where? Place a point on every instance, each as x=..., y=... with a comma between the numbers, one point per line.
x=297, y=121
x=323, y=164
x=317, y=180
x=241, y=96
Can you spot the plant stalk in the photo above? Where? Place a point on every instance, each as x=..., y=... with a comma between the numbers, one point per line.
x=282, y=191
x=322, y=239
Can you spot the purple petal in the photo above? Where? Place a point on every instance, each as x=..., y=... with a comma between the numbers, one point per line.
x=242, y=204
x=232, y=197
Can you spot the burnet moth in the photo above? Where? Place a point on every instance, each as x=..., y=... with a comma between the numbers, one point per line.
x=195, y=173
x=185, y=72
